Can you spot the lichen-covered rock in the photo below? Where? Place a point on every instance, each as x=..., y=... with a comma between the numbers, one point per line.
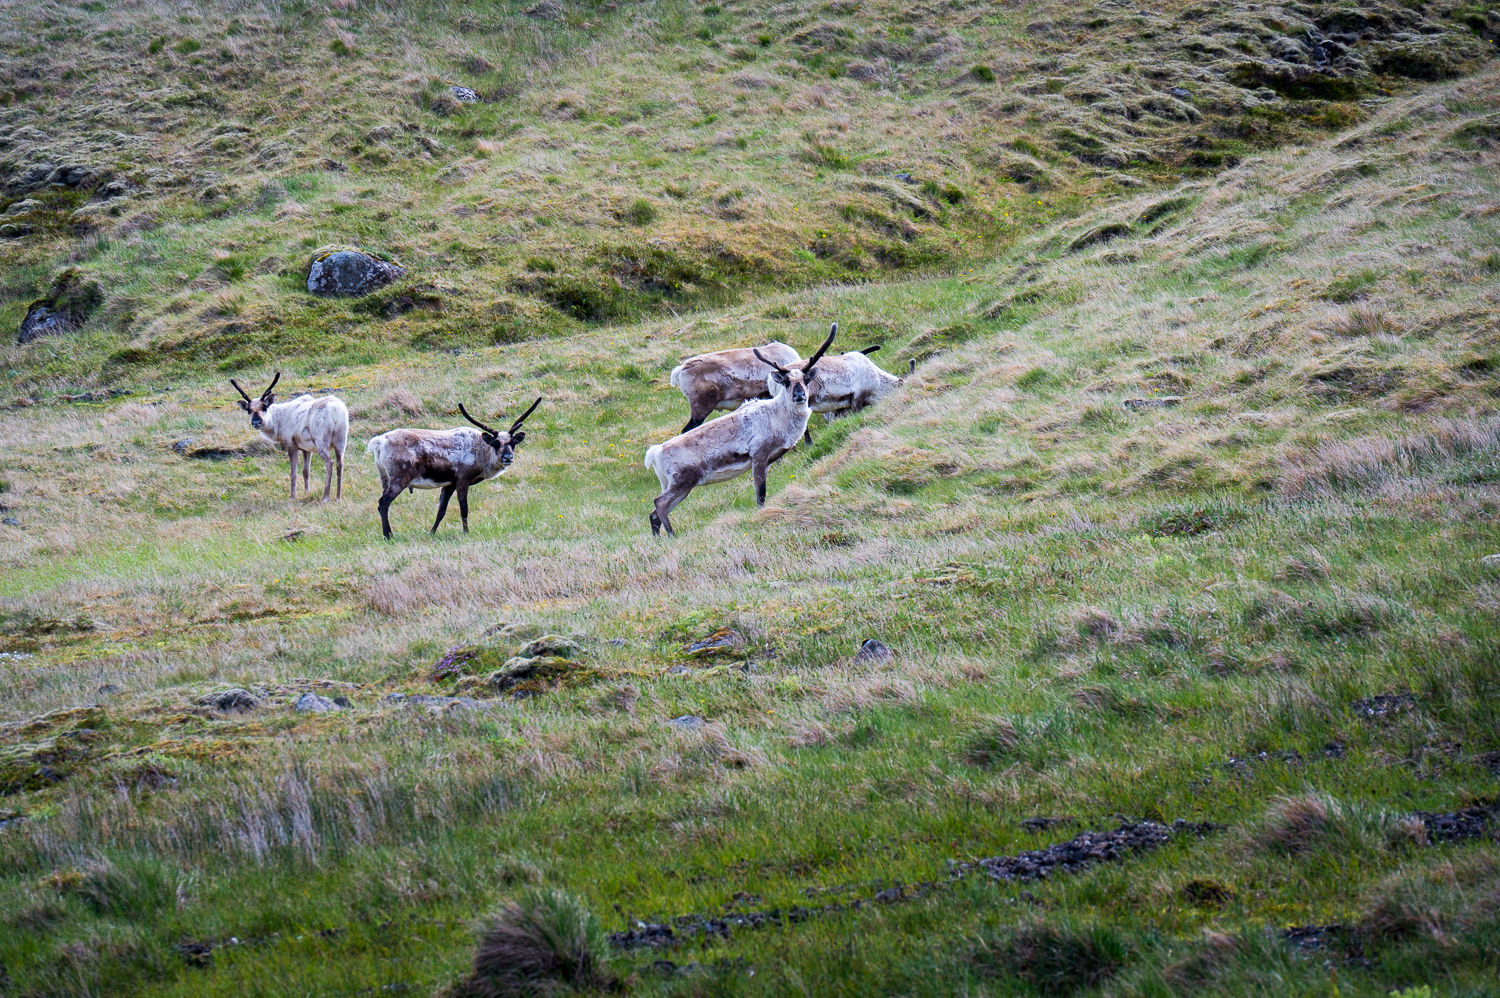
x=71, y=300
x=230, y=701
x=24, y=207
x=312, y=703
x=551, y=645
x=349, y=274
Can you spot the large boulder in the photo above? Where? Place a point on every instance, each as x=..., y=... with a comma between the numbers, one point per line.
x=349, y=274
x=72, y=298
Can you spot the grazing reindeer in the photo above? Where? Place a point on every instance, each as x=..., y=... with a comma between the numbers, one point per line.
x=304, y=425
x=848, y=383
x=451, y=460
x=726, y=379
x=751, y=438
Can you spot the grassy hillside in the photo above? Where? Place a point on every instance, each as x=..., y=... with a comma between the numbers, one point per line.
x=1184, y=513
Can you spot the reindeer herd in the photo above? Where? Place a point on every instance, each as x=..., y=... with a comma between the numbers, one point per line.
x=770, y=389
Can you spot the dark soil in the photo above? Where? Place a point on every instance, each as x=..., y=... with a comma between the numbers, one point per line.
x=1087, y=848
x=1384, y=705
x=1474, y=822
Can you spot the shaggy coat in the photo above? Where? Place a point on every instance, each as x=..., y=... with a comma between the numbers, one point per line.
x=450, y=460
x=849, y=382
x=726, y=379
x=752, y=438
x=304, y=425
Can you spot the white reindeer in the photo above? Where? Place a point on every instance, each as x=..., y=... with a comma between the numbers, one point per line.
x=849, y=383
x=752, y=438
x=304, y=425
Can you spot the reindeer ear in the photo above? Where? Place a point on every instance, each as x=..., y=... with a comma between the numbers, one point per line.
x=517, y=437
x=490, y=439
x=244, y=405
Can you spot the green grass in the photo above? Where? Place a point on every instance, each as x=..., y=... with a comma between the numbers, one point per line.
x=1098, y=612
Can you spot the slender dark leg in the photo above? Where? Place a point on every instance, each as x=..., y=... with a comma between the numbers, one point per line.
x=463, y=506
x=668, y=501
x=443, y=498
x=327, y=474
x=758, y=470
x=386, y=498
x=807, y=436
x=340, y=493
x=292, y=456
x=306, y=462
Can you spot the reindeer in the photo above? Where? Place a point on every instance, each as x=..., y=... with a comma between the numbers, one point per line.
x=848, y=383
x=304, y=425
x=751, y=438
x=451, y=460
x=726, y=379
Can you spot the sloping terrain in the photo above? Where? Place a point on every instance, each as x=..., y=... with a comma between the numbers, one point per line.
x=1184, y=515
x=619, y=160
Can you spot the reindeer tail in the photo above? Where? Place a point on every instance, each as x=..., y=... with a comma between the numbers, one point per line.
x=653, y=451
x=676, y=373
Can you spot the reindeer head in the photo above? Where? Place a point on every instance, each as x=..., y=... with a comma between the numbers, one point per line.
x=791, y=379
x=257, y=407
x=505, y=444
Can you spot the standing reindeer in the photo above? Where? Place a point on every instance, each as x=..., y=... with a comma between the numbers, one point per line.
x=751, y=438
x=304, y=425
x=451, y=460
x=726, y=379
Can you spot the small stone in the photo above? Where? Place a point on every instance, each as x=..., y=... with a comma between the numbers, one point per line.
x=181, y=446
x=311, y=702
x=618, y=642
x=464, y=95
x=11, y=521
x=686, y=722
x=24, y=207
x=1181, y=93
x=723, y=640
x=873, y=651
x=679, y=670
x=1164, y=402
x=350, y=274
x=1492, y=560
x=41, y=320
x=905, y=178
x=233, y=701
x=109, y=689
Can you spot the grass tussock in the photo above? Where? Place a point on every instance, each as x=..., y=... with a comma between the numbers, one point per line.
x=1055, y=958
x=545, y=942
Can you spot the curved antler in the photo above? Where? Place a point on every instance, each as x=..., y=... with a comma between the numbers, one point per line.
x=807, y=368
x=764, y=360
x=272, y=385
x=487, y=429
x=517, y=424
x=869, y=350
x=237, y=388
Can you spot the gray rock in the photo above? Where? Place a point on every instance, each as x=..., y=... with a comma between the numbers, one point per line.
x=551, y=646
x=464, y=94
x=1163, y=402
x=679, y=670
x=618, y=642
x=723, y=640
x=1492, y=560
x=873, y=651
x=686, y=722
x=311, y=702
x=181, y=446
x=11, y=230
x=438, y=703
x=24, y=207
x=350, y=274
x=109, y=689
x=1181, y=93
x=233, y=701
x=41, y=321
x=11, y=521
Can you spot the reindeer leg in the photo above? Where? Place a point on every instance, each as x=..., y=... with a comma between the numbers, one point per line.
x=340, y=493
x=443, y=498
x=292, y=456
x=463, y=506
x=327, y=473
x=758, y=470
x=697, y=413
x=807, y=436
x=306, y=461
x=667, y=501
x=386, y=498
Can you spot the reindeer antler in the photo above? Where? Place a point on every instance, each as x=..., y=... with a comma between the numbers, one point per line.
x=487, y=429
x=869, y=350
x=807, y=369
x=272, y=385
x=237, y=388
x=764, y=360
x=517, y=424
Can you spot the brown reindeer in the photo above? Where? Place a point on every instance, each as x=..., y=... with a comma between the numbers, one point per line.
x=451, y=460
x=727, y=379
